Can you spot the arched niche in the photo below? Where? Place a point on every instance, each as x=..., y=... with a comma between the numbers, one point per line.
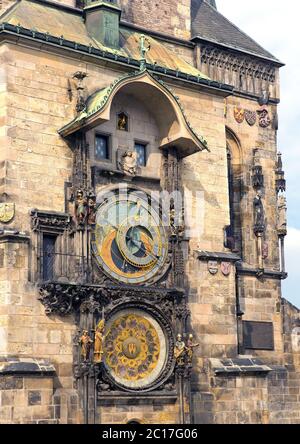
x=174, y=129
x=233, y=232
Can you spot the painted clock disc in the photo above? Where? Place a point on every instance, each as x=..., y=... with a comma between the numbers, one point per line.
x=129, y=242
x=135, y=348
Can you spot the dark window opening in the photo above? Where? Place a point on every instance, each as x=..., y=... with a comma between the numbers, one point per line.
x=48, y=268
x=229, y=231
x=141, y=150
x=102, y=147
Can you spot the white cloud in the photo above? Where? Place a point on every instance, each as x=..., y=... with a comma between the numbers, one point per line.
x=291, y=289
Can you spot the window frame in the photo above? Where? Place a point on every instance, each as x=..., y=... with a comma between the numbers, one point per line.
x=146, y=145
x=108, y=136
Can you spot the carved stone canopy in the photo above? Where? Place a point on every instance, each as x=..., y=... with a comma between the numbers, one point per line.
x=172, y=123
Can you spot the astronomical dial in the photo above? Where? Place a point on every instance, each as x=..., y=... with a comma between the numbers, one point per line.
x=135, y=348
x=129, y=242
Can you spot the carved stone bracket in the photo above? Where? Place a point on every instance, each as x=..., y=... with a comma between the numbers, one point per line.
x=42, y=220
x=65, y=299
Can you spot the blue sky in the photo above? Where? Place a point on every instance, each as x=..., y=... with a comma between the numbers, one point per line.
x=275, y=26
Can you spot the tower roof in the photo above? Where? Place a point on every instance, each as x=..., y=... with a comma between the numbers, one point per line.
x=210, y=25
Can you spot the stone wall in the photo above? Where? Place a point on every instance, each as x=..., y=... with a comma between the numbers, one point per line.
x=165, y=16
x=35, y=165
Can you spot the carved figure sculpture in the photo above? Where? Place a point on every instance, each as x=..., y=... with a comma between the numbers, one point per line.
x=180, y=350
x=91, y=208
x=85, y=342
x=259, y=214
x=282, y=218
x=99, y=342
x=190, y=348
x=80, y=207
x=128, y=163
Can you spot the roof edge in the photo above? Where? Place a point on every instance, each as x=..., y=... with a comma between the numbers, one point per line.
x=60, y=42
x=273, y=58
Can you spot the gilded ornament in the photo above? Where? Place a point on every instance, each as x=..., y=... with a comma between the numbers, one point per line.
x=7, y=212
x=190, y=345
x=132, y=349
x=239, y=114
x=99, y=342
x=180, y=351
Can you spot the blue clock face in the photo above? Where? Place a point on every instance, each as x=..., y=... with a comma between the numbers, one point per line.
x=129, y=242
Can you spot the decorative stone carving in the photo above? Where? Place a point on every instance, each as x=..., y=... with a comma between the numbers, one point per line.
x=259, y=214
x=184, y=352
x=91, y=208
x=128, y=163
x=239, y=114
x=80, y=76
x=85, y=343
x=250, y=117
x=190, y=345
x=213, y=267
x=226, y=268
x=65, y=299
x=257, y=171
x=41, y=220
x=246, y=68
x=80, y=207
x=7, y=212
x=99, y=342
x=282, y=217
x=85, y=207
x=264, y=97
x=145, y=47
x=180, y=351
x=264, y=118
x=280, y=182
x=265, y=250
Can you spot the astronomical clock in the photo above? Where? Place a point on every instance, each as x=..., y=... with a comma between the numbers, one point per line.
x=130, y=242
x=131, y=247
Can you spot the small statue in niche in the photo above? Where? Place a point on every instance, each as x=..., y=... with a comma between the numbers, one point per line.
x=128, y=163
x=190, y=345
x=80, y=207
x=122, y=122
x=282, y=218
x=180, y=351
x=91, y=208
x=99, y=342
x=259, y=214
x=85, y=341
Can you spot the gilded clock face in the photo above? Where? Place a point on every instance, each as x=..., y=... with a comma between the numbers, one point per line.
x=129, y=241
x=135, y=348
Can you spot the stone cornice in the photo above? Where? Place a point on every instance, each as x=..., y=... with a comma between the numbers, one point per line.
x=214, y=256
x=7, y=29
x=13, y=236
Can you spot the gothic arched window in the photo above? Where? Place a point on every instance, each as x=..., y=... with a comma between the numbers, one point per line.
x=233, y=232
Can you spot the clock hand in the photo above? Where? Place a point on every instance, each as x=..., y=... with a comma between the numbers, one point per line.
x=144, y=251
